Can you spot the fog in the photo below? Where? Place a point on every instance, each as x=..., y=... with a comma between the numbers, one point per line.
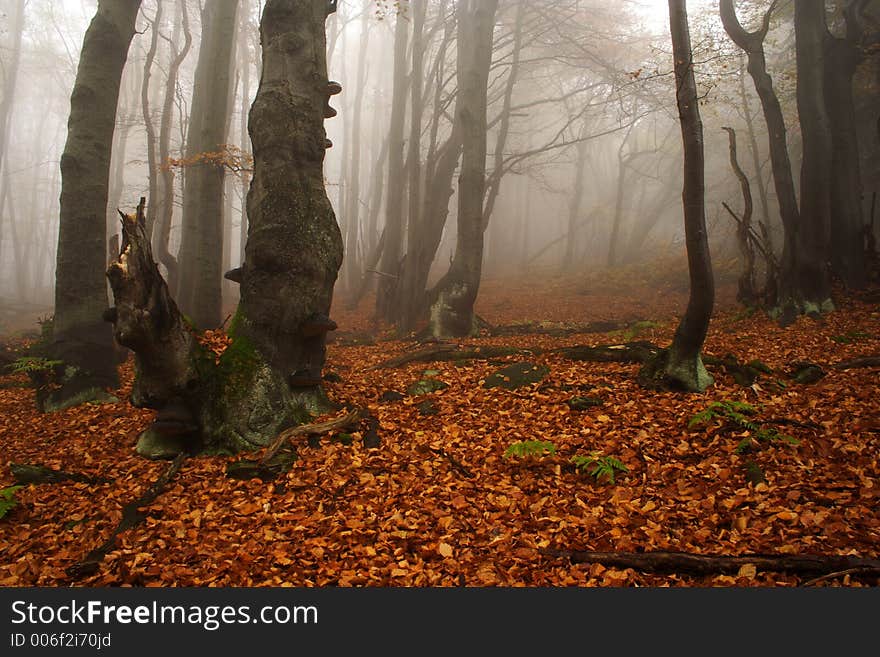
x=584, y=154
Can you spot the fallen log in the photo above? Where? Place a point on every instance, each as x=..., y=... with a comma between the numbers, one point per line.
x=27, y=473
x=131, y=517
x=861, y=361
x=703, y=564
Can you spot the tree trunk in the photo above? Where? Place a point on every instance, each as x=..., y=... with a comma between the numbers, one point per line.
x=152, y=173
x=351, y=264
x=753, y=45
x=814, y=236
x=452, y=313
x=684, y=367
x=269, y=378
x=842, y=58
x=574, y=208
x=746, y=293
x=80, y=337
x=10, y=73
x=201, y=249
x=390, y=262
x=165, y=201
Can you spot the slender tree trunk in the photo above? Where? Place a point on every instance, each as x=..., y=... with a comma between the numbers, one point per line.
x=165, y=201
x=201, y=250
x=152, y=173
x=753, y=147
x=746, y=293
x=245, y=59
x=814, y=237
x=390, y=263
x=684, y=367
x=574, y=208
x=753, y=45
x=10, y=78
x=452, y=314
x=80, y=336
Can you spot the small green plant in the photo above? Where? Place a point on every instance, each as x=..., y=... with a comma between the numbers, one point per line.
x=33, y=365
x=741, y=414
x=7, y=499
x=524, y=448
x=599, y=466
x=638, y=328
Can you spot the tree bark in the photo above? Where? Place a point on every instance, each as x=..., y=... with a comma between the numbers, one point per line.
x=269, y=378
x=746, y=292
x=152, y=167
x=753, y=45
x=201, y=249
x=842, y=58
x=390, y=262
x=452, y=313
x=165, y=201
x=684, y=367
x=80, y=338
x=814, y=236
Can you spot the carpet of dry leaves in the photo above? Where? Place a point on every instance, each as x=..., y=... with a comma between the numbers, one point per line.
x=437, y=504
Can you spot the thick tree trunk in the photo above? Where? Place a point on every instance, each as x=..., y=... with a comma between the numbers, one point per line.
x=269, y=378
x=842, y=58
x=814, y=236
x=80, y=338
x=201, y=249
x=452, y=313
x=684, y=366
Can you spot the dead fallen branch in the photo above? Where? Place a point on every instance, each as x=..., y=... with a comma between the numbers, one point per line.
x=702, y=564
x=445, y=351
x=345, y=421
x=462, y=470
x=862, y=361
x=27, y=473
x=131, y=517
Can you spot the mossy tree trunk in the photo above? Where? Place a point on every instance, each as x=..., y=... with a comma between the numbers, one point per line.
x=684, y=366
x=80, y=337
x=269, y=378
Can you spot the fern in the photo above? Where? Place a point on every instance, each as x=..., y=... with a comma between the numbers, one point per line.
x=738, y=414
x=33, y=364
x=7, y=499
x=599, y=466
x=525, y=448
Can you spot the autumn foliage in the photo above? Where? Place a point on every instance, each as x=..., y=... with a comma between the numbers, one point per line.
x=443, y=500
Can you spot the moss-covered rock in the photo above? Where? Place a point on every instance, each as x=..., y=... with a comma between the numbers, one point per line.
x=426, y=386
x=517, y=375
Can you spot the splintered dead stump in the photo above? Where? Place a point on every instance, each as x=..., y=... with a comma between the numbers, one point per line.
x=700, y=564
x=131, y=517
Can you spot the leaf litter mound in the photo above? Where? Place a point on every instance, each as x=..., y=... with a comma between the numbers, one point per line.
x=437, y=502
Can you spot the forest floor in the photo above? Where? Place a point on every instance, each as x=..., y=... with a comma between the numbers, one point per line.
x=439, y=503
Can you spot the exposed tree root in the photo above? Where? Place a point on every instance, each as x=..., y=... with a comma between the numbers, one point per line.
x=131, y=517
x=447, y=351
x=345, y=421
x=702, y=564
